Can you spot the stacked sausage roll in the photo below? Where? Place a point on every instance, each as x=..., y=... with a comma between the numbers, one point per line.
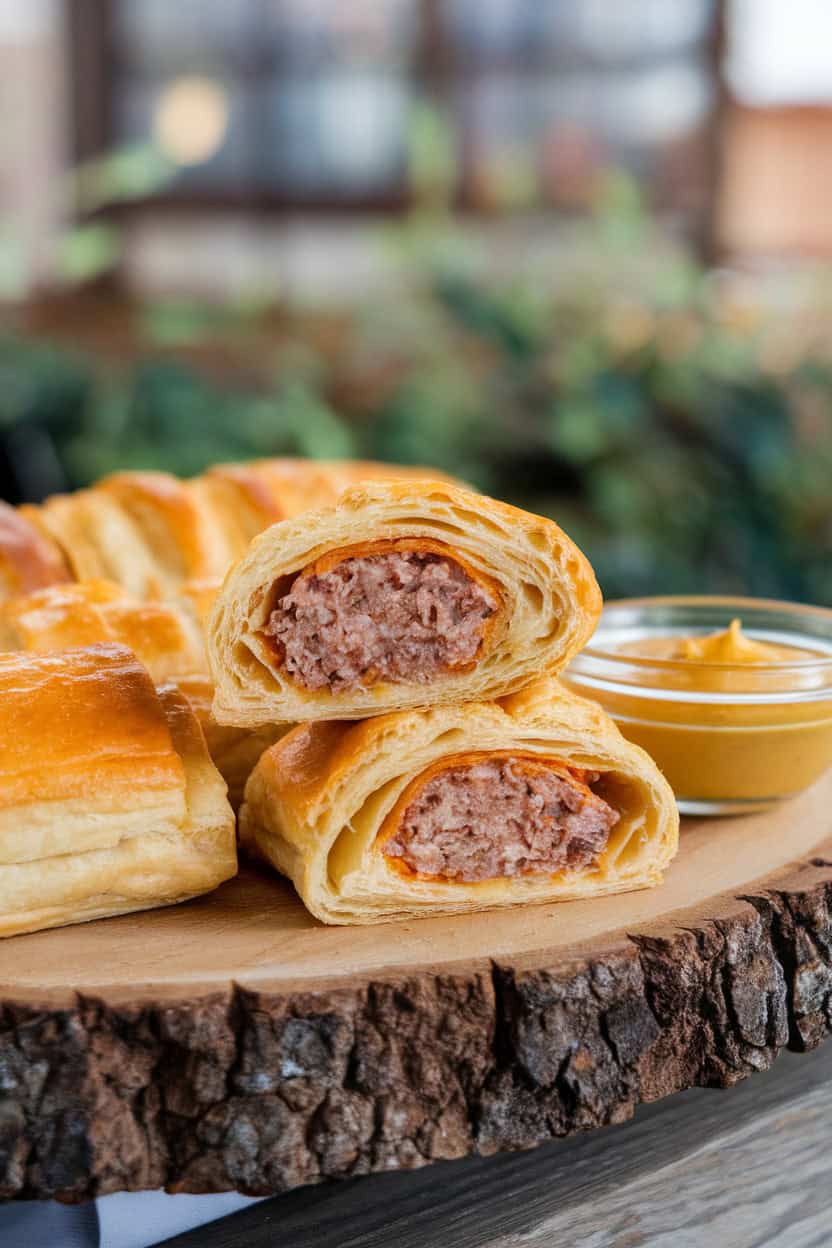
x=375, y=682
x=413, y=631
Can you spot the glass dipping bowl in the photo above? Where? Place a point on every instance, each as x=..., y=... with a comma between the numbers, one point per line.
x=730, y=737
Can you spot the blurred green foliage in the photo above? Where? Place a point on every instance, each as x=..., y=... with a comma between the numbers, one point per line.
x=679, y=429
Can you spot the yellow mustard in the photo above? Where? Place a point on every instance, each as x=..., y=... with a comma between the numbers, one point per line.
x=728, y=718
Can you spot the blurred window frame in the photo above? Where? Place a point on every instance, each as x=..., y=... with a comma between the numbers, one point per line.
x=437, y=70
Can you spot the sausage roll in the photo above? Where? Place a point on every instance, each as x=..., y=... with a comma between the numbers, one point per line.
x=164, y=637
x=401, y=594
x=29, y=559
x=534, y=798
x=109, y=802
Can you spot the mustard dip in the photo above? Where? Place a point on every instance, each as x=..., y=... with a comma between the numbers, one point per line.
x=734, y=722
x=732, y=645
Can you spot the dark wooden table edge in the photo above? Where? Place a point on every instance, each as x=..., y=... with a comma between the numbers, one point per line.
x=264, y=1092
x=480, y=1202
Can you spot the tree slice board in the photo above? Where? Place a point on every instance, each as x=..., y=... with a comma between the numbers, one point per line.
x=233, y=1042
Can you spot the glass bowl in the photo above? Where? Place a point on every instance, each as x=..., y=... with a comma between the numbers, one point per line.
x=730, y=737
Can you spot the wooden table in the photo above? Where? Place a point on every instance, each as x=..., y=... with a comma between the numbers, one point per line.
x=234, y=1043
x=748, y=1167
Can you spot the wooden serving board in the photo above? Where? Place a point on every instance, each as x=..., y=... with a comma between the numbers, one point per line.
x=233, y=1042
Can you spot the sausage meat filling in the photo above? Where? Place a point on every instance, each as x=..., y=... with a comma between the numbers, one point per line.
x=502, y=817
x=401, y=616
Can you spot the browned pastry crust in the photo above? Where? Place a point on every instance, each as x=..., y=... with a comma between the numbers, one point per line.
x=242, y=498
x=152, y=532
x=108, y=799
x=164, y=636
x=298, y=485
x=546, y=601
x=322, y=802
x=28, y=558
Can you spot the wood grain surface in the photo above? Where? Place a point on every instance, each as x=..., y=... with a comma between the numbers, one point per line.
x=254, y=931
x=235, y=1043
x=748, y=1168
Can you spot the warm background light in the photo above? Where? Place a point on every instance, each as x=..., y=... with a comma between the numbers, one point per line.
x=191, y=120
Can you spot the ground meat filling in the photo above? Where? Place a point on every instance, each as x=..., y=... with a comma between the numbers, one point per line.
x=401, y=617
x=497, y=818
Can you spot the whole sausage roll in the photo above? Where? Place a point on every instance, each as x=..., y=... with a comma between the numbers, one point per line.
x=399, y=595
x=534, y=798
x=109, y=802
x=164, y=636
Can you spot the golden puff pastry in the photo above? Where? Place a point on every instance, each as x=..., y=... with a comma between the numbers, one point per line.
x=152, y=532
x=298, y=485
x=234, y=751
x=400, y=595
x=199, y=597
x=164, y=636
x=109, y=802
x=241, y=499
x=148, y=531
x=29, y=559
x=534, y=798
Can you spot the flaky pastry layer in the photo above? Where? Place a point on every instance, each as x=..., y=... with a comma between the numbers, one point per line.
x=109, y=801
x=152, y=533
x=549, y=601
x=317, y=803
x=165, y=637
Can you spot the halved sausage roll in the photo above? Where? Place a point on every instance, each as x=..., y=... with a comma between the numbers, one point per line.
x=109, y=802
x=534, y=798
x=164, y=636
x=402, y=594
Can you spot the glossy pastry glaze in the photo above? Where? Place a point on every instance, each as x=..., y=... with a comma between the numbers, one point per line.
x=108, y=800
x=164, y=636
x=28, y=559
x=83, y=723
